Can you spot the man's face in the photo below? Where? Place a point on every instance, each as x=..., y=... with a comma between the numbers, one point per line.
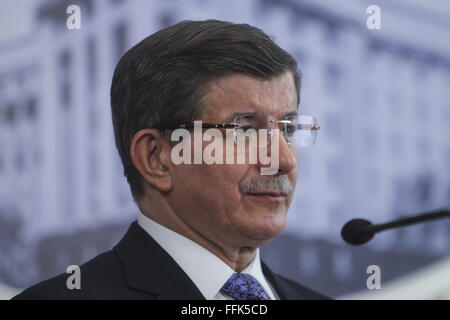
x=211, y=198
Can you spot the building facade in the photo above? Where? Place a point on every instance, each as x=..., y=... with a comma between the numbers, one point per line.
x=382, y=100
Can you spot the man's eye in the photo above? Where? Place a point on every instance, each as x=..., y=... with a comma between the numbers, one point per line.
x=244, y=128
x=290, y=130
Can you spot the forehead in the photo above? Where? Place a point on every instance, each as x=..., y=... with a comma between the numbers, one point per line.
x=242, y=93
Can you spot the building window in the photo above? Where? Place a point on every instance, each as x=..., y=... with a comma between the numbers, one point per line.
x=368, y=99
x=64, y=78
x=342, y=261
x=370, y=142
x=422, y=108
x=372, y=181
x=120, y=36
x=331, y=35
x=10, y=113
x=333, y=127
x=424, y=187
x=331, y=77
x=31, y=109
x=397, y=145
x=395, y=104
x=92, y=64
x=19, y=158
x=445, y=114
x=309, y=260
x=335, y=172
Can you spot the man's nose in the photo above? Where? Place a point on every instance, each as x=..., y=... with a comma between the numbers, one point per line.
x=287, y=157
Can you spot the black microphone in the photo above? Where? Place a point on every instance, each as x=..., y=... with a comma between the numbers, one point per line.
x=360, y=231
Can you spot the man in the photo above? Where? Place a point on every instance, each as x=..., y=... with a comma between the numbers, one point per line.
x=201, y=224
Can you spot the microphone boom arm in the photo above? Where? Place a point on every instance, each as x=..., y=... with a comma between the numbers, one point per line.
x=436, y=214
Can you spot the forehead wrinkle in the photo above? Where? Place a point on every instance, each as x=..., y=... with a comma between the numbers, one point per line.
x=239, y=92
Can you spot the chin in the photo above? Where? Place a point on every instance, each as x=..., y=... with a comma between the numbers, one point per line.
x=266, y=230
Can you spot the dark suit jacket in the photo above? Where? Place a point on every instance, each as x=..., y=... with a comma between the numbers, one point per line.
x=138, y=268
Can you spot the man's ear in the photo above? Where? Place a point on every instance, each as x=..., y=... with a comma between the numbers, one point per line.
x=148, y=153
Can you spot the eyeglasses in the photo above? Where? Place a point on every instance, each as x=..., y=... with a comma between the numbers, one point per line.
x=298, y=130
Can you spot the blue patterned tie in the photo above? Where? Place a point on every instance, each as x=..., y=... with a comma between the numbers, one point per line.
x=242, y=286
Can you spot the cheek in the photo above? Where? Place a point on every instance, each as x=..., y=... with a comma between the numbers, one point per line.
x=221, y=182
x=211, y=186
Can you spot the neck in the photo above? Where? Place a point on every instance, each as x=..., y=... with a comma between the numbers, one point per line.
x=237, y=258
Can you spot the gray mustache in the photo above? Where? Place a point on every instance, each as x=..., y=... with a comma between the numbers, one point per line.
x=265, y=184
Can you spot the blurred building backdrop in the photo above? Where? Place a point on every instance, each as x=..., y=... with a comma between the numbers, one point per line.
x=381, y=96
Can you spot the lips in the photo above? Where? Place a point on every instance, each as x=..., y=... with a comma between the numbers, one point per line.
x=269, y=193
x=270, y=196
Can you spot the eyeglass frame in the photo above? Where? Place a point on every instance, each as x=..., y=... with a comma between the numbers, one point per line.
x=234, y=125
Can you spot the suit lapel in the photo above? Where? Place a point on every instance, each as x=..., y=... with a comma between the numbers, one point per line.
x=288, y=289
x=149, y=268
x=284, y=291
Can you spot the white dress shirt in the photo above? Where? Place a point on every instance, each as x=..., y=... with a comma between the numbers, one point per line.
x=208, y=272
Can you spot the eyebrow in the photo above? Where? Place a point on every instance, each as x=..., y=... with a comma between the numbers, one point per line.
x=292, y=113
x=250, y=113
x=240, y=113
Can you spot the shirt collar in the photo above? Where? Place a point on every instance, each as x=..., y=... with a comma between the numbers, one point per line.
x=208, y=272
